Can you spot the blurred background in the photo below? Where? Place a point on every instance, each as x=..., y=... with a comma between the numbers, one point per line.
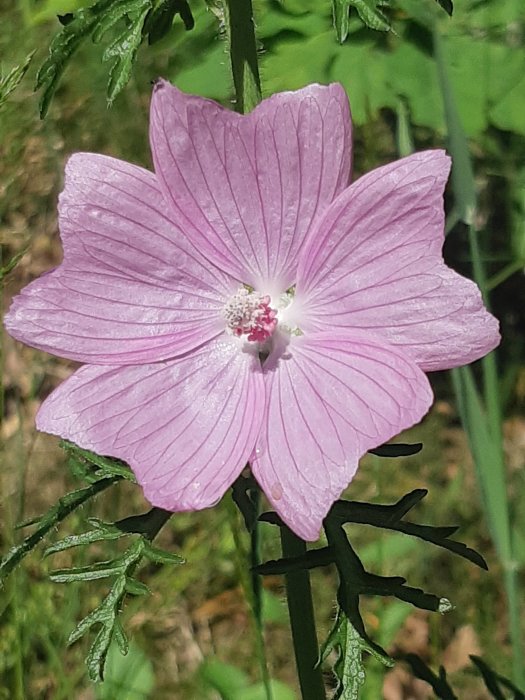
x=433, y=82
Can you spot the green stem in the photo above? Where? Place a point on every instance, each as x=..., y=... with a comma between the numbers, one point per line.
x=246, y=80
x=465, y=193
x=243, y=54
x=247, y=84
x=302, y=620
x=251, y=587
x=257, y=600
x=504, y=274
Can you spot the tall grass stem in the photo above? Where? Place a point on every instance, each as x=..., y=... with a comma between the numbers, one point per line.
x=482, y=419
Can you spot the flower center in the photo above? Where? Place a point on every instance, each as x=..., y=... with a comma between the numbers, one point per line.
x=249, y=313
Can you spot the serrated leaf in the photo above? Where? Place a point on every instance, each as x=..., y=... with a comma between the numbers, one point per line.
x=106, y=465
x=124, y=49
x=101, y=533
x=348, y=668
x=62, y=48
x=96, y=616
x=55, y=515
x=160, y=556
x=118, y=10
x=95, y=22
x=123, y=568
x=91, y=572
x=371, y=15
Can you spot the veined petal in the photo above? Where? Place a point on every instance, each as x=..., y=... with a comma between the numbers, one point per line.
x=131, y=288
x=375, y=263
x=246, y=189
x=330, y=399
x=186, y=426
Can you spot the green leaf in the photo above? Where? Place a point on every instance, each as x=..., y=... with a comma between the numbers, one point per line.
x=224, y=678
x=160, y=556
x=123, y=569
x=107, y=532
x=65, y=505
x=91, y=572
x=107, y=466
x=120, y=636
x=62, y=48
x=135, y=587
x=371, y=15
x=313, y=558
x=124, y=48
x=341, y=13
x=128, y=21
x=8, y=83
x=348, y=668
x=128, y=677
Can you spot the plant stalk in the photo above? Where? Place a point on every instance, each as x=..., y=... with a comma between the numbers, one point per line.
x=302, y=621
x=243, y=54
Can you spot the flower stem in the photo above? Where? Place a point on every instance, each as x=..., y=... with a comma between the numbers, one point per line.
x=251, y=584
x=245, y=70
x=302, y=620
x=243, y=53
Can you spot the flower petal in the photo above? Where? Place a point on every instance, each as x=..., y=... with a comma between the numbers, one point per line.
x=131, y=288
x=332, y=398
x=186, y=427
x=246, y=189
x=375, y=263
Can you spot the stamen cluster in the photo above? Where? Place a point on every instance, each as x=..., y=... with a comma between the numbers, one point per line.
x=249, y=313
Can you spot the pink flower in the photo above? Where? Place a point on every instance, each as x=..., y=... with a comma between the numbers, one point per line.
x=246, y=304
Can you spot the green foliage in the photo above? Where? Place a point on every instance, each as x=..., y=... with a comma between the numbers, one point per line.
x=129, y=677
x=127, y=21
x=349, y=635
x=10, y=81
x=487, y=67
x=122, y=570
x=91, y=467
x=47, y=522
x=348, y=668
x=370, y=13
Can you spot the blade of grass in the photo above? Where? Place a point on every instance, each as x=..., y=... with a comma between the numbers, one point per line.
x=483, y=426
